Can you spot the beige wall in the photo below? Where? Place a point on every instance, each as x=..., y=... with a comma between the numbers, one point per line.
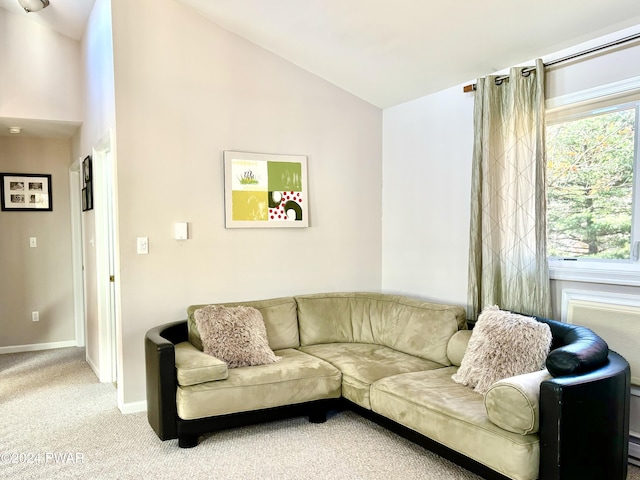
x=36, y=279
x=39, y=80
x=185, y=91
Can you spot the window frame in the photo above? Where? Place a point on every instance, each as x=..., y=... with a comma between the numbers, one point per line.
x=581, y=104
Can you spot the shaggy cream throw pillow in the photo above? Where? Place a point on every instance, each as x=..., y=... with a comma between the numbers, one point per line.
x=502, y=345
x=235, y=335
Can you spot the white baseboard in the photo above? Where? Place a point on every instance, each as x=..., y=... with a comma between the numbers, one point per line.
x=133, y=407
x=34, y=347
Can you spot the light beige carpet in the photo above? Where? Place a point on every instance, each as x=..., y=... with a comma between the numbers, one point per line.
x=59, y=422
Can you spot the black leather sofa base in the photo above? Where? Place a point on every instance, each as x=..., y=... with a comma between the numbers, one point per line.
x=189, y=431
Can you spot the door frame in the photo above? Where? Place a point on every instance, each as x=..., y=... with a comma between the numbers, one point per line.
x=107, y=259
x=77, y=262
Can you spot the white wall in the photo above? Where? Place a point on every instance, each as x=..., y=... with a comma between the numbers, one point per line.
x=99, y=119
x=39, y=73
x=185, y=91
x=427, y=146
x=97, y=77
x=602, y=68
x=427, y=175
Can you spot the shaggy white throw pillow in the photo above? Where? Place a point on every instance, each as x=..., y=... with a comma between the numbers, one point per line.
x=502, y=345
x=235, y=335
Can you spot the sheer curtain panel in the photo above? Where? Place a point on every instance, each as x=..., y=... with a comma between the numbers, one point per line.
x=507, y=251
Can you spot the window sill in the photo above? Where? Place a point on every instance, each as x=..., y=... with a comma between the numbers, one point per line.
x=623, y=273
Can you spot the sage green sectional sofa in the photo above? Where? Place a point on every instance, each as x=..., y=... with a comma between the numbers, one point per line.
x=391, y=359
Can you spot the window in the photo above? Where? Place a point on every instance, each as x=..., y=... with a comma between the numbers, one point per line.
x=593, y=206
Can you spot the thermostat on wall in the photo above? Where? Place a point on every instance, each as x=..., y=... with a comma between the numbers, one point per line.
x=181, y=231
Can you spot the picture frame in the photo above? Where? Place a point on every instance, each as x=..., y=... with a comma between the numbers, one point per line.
x=265, y=190
x=87, y=184
x=25, y=192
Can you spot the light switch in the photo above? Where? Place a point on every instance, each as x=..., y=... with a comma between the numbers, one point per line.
x=180, y=231
x=143, y=245
x=33, y=242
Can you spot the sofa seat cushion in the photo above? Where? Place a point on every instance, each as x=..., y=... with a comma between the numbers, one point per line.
x=432, y=404
x=296, y=378
x=362, y=364
x=194, y=366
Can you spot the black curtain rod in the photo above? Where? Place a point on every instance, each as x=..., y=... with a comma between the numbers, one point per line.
x=614, y=43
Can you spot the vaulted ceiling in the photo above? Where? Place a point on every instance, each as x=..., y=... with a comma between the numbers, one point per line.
x=389, y=52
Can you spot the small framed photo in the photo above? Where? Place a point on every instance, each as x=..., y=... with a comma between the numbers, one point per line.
x=265, y=190
x=87, y=184
x=86, y=170
x=25, y=192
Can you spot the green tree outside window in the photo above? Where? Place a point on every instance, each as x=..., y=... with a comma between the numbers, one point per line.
x=590, y=164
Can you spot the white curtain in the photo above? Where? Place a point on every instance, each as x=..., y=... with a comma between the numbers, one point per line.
x=507, y=252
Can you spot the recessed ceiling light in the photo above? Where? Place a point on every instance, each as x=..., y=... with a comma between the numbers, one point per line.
x=15, y=130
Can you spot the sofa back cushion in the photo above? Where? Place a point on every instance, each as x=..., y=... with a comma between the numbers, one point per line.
x=280, y=320
x=411, y=326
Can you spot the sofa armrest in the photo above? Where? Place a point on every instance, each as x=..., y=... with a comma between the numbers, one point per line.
x=161, y=385
x=584, y=423
x=575, y=349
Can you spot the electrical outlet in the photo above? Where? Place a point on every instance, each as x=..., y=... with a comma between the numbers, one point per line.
x=35, y=316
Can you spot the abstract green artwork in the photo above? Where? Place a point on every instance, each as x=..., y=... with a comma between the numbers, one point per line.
x=265, y=190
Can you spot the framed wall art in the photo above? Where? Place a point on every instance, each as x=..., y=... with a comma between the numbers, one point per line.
x=25, y=192
x=87, y=185
x=265, y=190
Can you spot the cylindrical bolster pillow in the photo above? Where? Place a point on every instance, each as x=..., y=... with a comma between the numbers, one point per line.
x=578, y=349
x=513, y=403
x=457, y=346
